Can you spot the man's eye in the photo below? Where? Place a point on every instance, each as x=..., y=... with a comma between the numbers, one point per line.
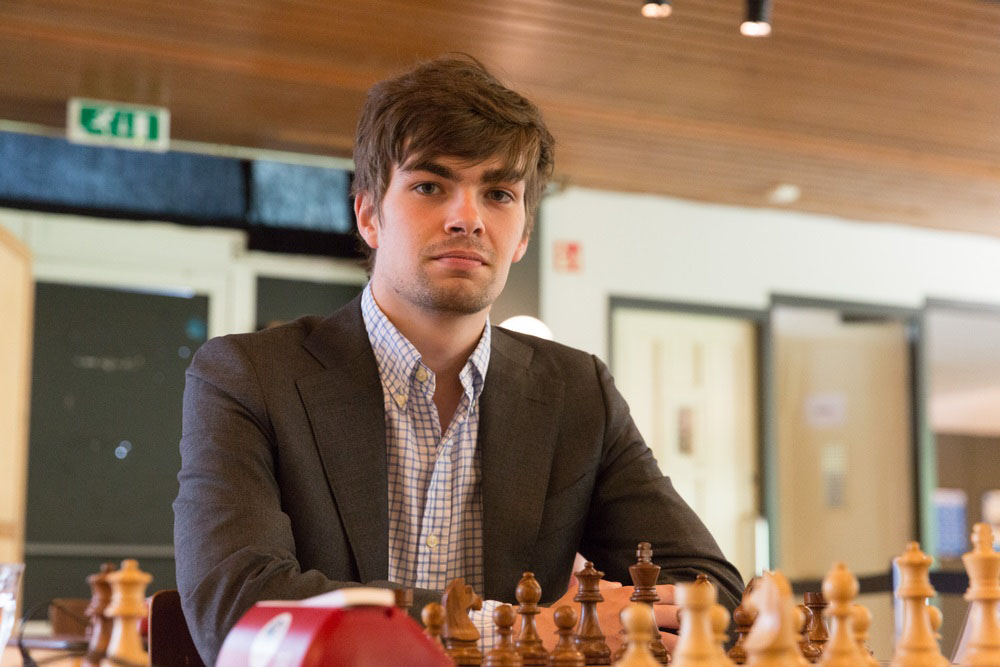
x=426, y=188
x=501, y=196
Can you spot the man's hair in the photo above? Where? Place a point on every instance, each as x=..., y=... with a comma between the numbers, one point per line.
x=451, y=106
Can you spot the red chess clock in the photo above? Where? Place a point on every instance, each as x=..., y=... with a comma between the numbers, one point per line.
x=360, y=630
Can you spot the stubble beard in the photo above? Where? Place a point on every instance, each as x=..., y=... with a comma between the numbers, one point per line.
x=462, y=296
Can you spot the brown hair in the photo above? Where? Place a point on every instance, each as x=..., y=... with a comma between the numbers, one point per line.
x=451, y=106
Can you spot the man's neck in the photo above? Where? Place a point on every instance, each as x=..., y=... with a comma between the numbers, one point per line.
x=444, y=340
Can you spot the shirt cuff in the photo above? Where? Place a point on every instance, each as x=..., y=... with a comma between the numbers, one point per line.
x=483, y=620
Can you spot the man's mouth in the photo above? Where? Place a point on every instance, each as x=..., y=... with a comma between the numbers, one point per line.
x=464, y=259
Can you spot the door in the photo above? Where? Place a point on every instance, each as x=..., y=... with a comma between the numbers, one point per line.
x=691, y=382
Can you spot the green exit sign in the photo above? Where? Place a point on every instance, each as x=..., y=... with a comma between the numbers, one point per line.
x=117, y=124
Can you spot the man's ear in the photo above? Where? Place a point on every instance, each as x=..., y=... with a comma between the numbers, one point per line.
x=366, y=214
x=522, y=248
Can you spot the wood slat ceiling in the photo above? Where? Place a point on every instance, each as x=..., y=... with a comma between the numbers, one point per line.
x=881, y=110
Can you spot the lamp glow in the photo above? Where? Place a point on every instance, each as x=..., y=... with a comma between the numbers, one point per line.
x=755, y=29
x=527, y=325
x=656, y=9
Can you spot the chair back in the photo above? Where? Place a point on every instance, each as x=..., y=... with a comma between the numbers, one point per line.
x=170, y=643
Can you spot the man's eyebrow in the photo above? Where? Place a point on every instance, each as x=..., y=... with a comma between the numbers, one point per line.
x=431, y=167
x=502, y=175
x=489, y=177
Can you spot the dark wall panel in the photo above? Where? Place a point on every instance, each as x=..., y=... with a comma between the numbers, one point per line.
x=300, y=196
x=281, y=300
x=167, y=185
x=107, y=383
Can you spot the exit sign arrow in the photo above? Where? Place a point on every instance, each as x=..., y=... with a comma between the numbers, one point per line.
x=118, y=124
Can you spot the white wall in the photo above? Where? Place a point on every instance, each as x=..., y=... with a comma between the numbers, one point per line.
x=668, y=249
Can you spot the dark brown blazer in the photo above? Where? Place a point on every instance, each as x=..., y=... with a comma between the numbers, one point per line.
x=283, y=490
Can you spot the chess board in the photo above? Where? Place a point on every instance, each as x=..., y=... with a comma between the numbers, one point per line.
x=602, y=623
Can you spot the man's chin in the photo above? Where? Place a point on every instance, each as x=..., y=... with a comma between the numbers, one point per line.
x=457, y=301
x=459, y=306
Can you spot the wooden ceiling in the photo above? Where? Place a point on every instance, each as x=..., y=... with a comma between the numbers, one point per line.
x=883, y=110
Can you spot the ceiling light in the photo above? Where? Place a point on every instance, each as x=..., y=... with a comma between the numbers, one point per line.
x=758, y=23
x=656, y=9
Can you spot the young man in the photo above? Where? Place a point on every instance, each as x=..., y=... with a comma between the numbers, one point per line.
x=403, y=440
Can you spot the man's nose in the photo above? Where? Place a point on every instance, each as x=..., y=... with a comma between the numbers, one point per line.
x=464, y=215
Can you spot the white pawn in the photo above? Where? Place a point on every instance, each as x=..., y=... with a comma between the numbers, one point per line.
x=983, y=566
x=720, y=625
x=773, y=640
x=937, y=618
x=696, y=644
x=127, y=608
x=863, y=621
x=637, y=619
x=917, y=646
x=840, y=587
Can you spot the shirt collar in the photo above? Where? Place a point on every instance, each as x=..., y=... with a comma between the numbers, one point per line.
x=398, y=359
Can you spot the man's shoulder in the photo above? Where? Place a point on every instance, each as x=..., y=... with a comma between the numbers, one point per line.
x=286, y=336
x=541, y=354
x=306, y=340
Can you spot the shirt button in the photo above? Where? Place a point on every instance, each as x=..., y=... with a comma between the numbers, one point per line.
x=422, y=375
x=432, y=541
x=400, y=400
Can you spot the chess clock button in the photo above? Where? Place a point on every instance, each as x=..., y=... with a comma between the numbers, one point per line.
x=422, y=375
x=432, y=541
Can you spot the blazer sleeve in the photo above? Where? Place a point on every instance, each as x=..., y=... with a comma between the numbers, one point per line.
x=234, y=545
x=633, y=501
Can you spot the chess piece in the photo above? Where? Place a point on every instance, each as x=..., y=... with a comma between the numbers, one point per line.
x=565, y=653
x=404, y=598
x=863, y=621
x=99, y=627
x=916, y=646
x=801, y=622
x=637, y=619
x=934, y=614
x=720, y=627
x=816, y=632
x=589, y=637
x=528, y=643
x=433, y=617
x=810, y=652
x=127, y=608
x=983, y=567
x=743, y=616
x=460, y=635
x=771, y=642
x=645, y=573
x=504, y=654
x=696, y=645
x=840, y=587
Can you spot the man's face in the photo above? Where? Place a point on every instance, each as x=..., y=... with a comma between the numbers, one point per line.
x=446, y=234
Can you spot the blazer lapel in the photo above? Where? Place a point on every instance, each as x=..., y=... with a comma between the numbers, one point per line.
x=517, y=436
x=345, y=407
